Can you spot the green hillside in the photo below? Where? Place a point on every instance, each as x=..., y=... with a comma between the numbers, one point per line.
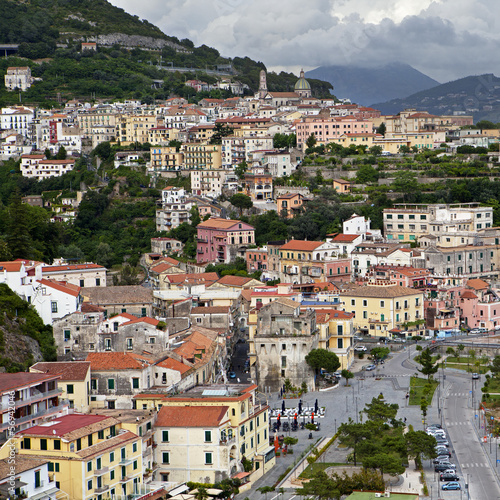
x=49, y=35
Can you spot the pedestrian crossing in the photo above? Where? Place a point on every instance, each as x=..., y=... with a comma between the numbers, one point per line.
x=452, y=424
x=474, y=464
x=459, y=394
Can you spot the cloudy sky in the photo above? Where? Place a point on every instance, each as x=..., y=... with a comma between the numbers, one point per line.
x=445, y=39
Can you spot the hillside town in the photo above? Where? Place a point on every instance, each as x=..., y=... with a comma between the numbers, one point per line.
x=185, y=377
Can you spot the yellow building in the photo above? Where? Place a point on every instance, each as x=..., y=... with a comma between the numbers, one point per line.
x=163, y=135
x=202, y=156
x=379, y=308
x=90, y=455
x=135, y=128
x=246, y=417
x=360, y=139
x=420, y=140
x=166, y=158
x=336, y=334
x=74, y=381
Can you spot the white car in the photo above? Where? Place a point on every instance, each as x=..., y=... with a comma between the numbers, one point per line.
x=360, y=348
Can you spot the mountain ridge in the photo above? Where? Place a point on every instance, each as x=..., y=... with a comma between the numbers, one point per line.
x=366, y=85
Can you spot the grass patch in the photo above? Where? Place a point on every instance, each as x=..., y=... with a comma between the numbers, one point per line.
x=421, y=388
x=311, y=469
x=494, y=385
x=468, y=369
x=454, y=359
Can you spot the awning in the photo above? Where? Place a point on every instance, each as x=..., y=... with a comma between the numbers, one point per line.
x=241, y=475
x=445, y=310
x=213, y=492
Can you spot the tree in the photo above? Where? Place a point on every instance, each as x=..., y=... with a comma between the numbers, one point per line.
x=351, y=434
x=375, y=150
x=265, y=490
x=220, y=131
x=382, y=129
x=405, y=182
x=380, y=411
x=419, y=444
x=241, y=169
x=404, y=150
x=423, y=407
x=385, y=462
x=366, y=174
x=495, y=366
x=311, y=141
x=428, y=365
x=241, y=201
x=321, y=358
x=201, y=494
x=347, y=375
x=19, y=241
x=320, y=486
x=380, y=352
x=61, y=153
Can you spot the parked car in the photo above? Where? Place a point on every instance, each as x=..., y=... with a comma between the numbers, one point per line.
x=451, y=486
x=442, y=442
x=441, y=459
x=433, y=426
x=448, y=477
x=443, y=466
x=400, y=340
x=369, y=368
x=360, y=348
x=475, y=376
x=443, y=452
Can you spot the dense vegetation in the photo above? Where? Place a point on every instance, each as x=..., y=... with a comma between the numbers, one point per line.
x=17, y=317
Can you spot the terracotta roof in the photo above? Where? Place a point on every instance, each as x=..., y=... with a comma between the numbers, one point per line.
x=477, y=284
x=109, y=444
x=218, y=223
x=289, y=196
x=88, y=308
x=11, y=267
x=71, y=267
x=346, y=237
x=162, y=266
x=56, y=162
x=247, y=294
x=303, y=245
x=234, y=280
x=468, y=294
x=285, y=94
x=73, y=370
x=380, y=291
x=9, y=381
x=179, y=278
x=61, y=286
x=211, y=310
x=71, y=427
x=173, y=364
x=326, y=315
x=108, y=361
x=143, y=319
x=191, y=416
x=342, y=181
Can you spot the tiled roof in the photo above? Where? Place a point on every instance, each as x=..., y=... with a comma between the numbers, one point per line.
x=71, y=427
x=143, y=319
x=477, y=284
x=162, y=266
x=71, y=267
x=131, y=294
x=173, y=364
x=179, y=278
x=218, y=223
x=289, y=196
x=380, y=291
x=303, y=245
x=110, y=444
x=73, y=370
x=323, y=316
x=9, y=381
x=234, y=280
x=22, y=464
x=346, y=237
x=11, y=267
x=191, y=416
x=107, y=361
x=61, y=286
x=247, y=294
x=342, y=181
x=468, y=294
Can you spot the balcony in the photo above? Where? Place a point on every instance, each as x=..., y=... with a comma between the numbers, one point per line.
x=101, y=471
x=102, y=488
x=38, y=414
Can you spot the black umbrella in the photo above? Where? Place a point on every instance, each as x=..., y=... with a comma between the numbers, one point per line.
x=316, y=407
x=283, y=406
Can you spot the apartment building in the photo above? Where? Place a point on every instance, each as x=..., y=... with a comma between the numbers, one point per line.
x=18, y=78
x=258, y=184
x=135, y=128
x=37, y=167
x=202, y=156
x=166, y=158
x=82, y=275
x=89, y=455
x=34, y=398
x=381, y=307
x=208, y=182
x=451, y=225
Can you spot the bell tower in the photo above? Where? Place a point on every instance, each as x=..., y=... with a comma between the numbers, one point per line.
x=262, y=84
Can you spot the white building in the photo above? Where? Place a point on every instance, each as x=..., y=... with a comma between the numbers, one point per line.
x=208, y=182
x=18, y=78
x=37, y=167
x=18, y=118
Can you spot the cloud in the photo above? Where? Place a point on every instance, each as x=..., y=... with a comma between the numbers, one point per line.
x=443, y=38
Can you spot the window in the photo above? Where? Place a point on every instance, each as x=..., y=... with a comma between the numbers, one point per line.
x=89, y=484
x=365, y=303
x=100, y=434
x=53, y=306
x=78, y=444
x=57, y=444
x=134, y=447
x=67, y=335
x=97, y=282
x=91, y=441
x=111, y=384
x=130, y=344
x=389, y=216
x=135, y=464
x=70, y=389
x=353, y=302
x=340, y=330
x=89, y=466
x=93, y=384
x=382, y=303
x=400, y=217
x=164, y=436
x=98, y=463
x=43, y=444
x=82, y=283
x=111, y=474
x=165, y=457
x=365, y=314
x=208, y=436
x=112, y=457
x=208, y=458
x=135, y=383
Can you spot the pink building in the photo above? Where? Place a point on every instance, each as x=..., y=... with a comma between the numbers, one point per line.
x=480, y=305
x=256, y=259
x=442, y=308
x=326, y=129
x=220, y=240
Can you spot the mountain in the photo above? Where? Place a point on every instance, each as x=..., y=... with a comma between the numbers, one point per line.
x=473, y=95
x=134, y=58
x=368, y=85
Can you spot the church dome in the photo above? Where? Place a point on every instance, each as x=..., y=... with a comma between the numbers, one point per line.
x=302, y=83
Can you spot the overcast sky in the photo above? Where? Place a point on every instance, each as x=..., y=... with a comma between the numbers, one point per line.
x=445, y=39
